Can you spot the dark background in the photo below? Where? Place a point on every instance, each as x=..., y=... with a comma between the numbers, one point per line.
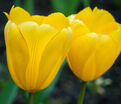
x=105, y=90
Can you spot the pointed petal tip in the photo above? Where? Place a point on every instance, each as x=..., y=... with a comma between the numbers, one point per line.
x=6, y=14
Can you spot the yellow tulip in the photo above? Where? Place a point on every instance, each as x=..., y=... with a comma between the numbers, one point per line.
x=36, y=47
x=96, y=43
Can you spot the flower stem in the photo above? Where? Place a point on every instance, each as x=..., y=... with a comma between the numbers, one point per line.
x=30, y=99
x=82, y=93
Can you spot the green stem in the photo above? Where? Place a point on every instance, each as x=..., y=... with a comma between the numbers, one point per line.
x=29, y=6
x=82, y=93
x=30, y=99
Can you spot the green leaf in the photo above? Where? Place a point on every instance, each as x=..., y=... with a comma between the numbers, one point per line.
x=67, y=7
x=8, y=94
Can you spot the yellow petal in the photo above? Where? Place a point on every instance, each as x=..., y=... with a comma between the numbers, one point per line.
x=17, y=54
x=106, y=53
x=82, y=48
x=100, y=18
x=57, y=20
x=6, y=29
x=71, y=18
x=6, y=14
x=19, y=15
x=79, y=28
x=53, y=57
x=38, y=19
x=85, y=16
x=109, y=28
x=95, y=19
x=37, y=37
x=90, y=68
x=116, y=36
x=101, y=60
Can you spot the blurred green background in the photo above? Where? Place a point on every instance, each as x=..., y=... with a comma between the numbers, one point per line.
x=66, y=86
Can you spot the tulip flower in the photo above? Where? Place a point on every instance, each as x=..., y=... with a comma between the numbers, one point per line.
x=36, y=47
x=96, y=43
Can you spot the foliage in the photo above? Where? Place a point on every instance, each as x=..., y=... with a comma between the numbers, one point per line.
x=8, y=94
x=65, y=6
x=118, y=3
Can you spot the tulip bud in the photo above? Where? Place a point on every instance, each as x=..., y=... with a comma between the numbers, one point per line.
x=36, y=47
x=96, y=43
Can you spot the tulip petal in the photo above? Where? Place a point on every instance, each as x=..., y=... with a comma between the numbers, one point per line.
x=38, y=19
x=79, y=28
x=106, y=53
x=100, y=17
x=82, y=48
x=85, y=16
x=116, y=36
x=109, y=28
x=57, y=20
x=89, y=69
x=71, y=18
x=6, y=29
x=6, y=14
x=19, y=15
x=95, y=19
x=17, y=54
x=53, y=57
x=37, y=37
